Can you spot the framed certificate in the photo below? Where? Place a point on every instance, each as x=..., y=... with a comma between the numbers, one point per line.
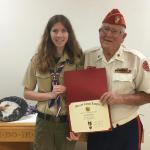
x=89, y=116
x=84, y=89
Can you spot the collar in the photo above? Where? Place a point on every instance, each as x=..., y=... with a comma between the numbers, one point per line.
x=99, y=55
x=64, y=57
x=119, y=55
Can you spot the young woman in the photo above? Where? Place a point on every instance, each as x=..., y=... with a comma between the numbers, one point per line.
x=58, y=52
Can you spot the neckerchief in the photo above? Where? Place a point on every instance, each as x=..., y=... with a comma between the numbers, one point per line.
x=55, y=73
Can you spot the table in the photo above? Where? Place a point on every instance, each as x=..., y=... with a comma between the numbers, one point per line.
x=18, y=134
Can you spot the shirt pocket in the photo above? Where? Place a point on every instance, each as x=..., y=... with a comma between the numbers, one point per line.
x=123, y=82
x=43, y=82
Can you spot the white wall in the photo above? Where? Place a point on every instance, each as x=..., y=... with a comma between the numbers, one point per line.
x=22, y=23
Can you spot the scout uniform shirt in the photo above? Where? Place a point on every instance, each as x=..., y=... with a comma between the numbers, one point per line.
x=127, y=71
x=34, y=78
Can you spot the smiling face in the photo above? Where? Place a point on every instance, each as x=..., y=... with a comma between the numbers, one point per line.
x=59, y=36
x=111, y=37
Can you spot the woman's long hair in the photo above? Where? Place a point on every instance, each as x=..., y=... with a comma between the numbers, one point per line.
x=47, y=49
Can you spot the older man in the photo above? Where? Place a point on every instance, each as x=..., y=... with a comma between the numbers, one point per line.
x=128, y=76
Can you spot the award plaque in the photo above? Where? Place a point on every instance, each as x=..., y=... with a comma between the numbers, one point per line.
x=84, y=89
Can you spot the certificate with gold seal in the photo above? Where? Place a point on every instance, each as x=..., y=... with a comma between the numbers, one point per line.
x=89, y=116
x=84, y=89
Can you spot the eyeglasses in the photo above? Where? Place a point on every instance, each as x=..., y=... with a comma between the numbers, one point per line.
x=114, y=32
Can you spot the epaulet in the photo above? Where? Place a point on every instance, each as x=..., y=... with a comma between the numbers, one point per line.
x=135, y=53
x=91, y=57
x=92, y=50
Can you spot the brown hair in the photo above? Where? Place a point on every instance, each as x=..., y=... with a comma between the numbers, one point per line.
x=46, y=49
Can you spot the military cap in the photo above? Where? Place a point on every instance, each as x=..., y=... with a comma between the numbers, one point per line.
x=115, y=17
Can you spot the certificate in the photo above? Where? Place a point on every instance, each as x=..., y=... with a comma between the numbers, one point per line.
x=84, y=89
x=89, y=116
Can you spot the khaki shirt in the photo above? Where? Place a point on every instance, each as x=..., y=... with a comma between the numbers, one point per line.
x=33, y=78
x=126, y=73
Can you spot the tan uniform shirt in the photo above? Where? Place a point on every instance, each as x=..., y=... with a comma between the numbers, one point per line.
x=33, y=78
x=127, y=71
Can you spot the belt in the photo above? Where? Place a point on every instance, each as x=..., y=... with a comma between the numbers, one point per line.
x=127, y=123
x=126, y=120
x=52, y=118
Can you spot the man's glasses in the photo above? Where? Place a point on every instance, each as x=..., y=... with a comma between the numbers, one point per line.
x=114, y=32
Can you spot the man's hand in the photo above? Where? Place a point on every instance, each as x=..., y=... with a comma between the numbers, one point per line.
x=111, y=98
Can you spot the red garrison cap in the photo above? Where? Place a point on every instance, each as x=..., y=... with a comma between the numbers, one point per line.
x=115, y=17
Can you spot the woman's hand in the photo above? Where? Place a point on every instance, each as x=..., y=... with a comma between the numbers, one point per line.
x=59, y=89
x=73, y=136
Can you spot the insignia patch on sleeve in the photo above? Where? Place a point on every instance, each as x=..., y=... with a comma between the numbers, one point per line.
x=146, y=66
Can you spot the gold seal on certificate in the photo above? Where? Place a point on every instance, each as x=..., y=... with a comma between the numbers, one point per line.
x=89, y=116
x=84, y=89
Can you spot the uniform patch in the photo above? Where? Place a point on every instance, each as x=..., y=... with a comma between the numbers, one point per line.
x=146, y=66
x=122, y=70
